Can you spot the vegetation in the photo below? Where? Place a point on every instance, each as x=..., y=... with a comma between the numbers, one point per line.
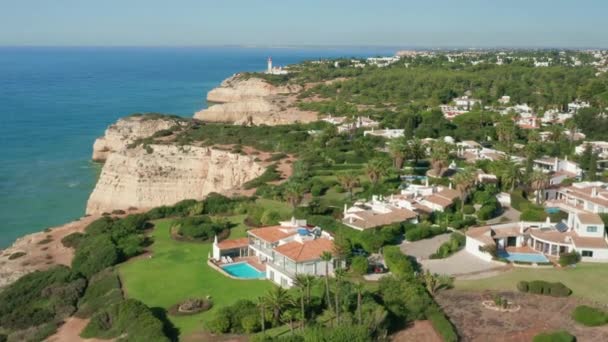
x=200, y=228
x=589, y=316
x=566, y=259
x=556, y=336
x=456, y=242
x=545, y=288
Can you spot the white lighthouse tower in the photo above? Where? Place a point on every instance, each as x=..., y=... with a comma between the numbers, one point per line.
x=269, y=65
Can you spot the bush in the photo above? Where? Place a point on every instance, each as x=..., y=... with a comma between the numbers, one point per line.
x=522, y=286
x=236, y=318
x=16, y=255
x=271, y=174
x=72, y=240
x=359, y=265
x=487, y=211
x=397, y=262
x=442, y=325
x=199, y=228
x=103, y=290
x=556, y=336
x=571, y=258
x=95, y=254
x=450, y=247
x=544, y=288
x=131, y=318
x=589, y=316
x=468, y=209
x=423, y=231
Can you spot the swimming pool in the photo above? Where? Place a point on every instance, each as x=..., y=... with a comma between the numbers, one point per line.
x=525, y=257
x=243, y=270
x=552, y=210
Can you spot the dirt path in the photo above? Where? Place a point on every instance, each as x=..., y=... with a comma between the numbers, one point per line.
x=420, y=331
x=70, y=331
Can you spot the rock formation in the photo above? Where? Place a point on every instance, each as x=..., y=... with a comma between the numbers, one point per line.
x=254, y=101
x=126, y=131
x=165, y=174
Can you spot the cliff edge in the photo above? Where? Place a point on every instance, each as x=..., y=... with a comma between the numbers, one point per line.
x=254, y=101
x=155, y=175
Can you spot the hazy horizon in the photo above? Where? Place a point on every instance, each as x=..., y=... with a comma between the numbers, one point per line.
x=315, y=23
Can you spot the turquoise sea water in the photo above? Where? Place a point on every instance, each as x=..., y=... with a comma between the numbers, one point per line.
x=54, y=102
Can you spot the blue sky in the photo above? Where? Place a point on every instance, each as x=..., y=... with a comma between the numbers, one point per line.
x=428, y=23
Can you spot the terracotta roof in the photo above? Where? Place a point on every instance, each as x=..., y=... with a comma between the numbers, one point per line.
x=589, y=242
x=590, y=218
x=481, y=234
x=272, y=233
x=449, y=194
x=370, y=219
x=506, y=232
x=585, y=193
x=552, y=235
x=233, y=243
x=307, y=250
x=440, y=200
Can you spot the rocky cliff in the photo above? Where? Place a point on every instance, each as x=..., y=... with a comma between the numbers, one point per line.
x=127, y=130
x=254, y=101
x=165, y=174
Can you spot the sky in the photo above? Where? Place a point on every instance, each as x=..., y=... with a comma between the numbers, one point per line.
x=406, y=23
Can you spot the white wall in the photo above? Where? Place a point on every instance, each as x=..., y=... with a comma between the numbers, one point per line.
x=599, y=255
x=472, y=246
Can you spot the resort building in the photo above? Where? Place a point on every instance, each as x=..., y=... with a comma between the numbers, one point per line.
x=406, y=206
x=279, y=253
x=599, y=147
x=582, y=196
x=558, y=169
x=583, y=232
x=385, y=133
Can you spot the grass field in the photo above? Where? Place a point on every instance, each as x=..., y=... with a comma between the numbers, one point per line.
x=179, y=270
x=586, y=280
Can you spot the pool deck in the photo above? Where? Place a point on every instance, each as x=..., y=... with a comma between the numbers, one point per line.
x=524, y=249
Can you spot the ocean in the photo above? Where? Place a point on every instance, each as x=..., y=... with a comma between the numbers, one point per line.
x=54, y=102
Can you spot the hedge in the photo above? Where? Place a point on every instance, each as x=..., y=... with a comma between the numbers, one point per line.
x=589, y=316
x=397, y=262
x=544, y=288
x=572, y=258
x=556, y=336
x=442, y=325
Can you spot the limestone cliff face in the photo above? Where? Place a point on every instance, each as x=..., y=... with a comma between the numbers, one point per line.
x=254, y=101
x=137, y=178
x=127, y=130
x=236, y=89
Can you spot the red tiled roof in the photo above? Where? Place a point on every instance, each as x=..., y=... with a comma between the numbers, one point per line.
x=307, y=250
x=233, y=243
x=272, y=233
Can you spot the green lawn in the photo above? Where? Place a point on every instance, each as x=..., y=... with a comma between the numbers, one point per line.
x=586, y=280
x=283, y=208
x=179, y=270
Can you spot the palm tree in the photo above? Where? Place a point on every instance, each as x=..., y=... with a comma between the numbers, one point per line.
x=339, y=274
x=397, y=148
x=294, y=194
x=262, y=306
x=375, y=169
x=434, y=282
x=277, y=300
x=348, y=181
x=508, y=172
x=440, y=153
x=464, y=180
x=416, y=150
x=327, y=257
x=302, y=283
x=538, y=182
x=359, y=288
x=289, y=316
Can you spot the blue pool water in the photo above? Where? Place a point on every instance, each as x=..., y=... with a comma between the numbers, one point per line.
x=243, y=270
x=526, y=257
x=552, y=210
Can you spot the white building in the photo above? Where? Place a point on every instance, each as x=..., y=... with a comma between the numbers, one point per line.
x=599, y=147
x=582, y=232
x=282, y=251
x=558, y=169
x=575, y=106
x=275, y=70
x=504, y=100
x=385, y=133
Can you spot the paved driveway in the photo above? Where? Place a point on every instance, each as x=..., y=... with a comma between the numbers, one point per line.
x=422, y=249
x=463, y=265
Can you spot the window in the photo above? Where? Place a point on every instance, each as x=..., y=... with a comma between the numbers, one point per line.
x=283, y=282
x=591, y=229
x=272, y=275
x=587, y=254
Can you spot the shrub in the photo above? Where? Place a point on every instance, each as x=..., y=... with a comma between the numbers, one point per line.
x=16, y=255
x=200, y=228
x=129, y=317
x=468, y=209
x=556, y=336
x=359, y=265
x=95, y=254
x=522, y=286
x=544, y=288
x=589, y=316
x=103, y=290
x=271, y=174
x=449, y=247
x=72, y=240
x=571, y=258
x=397, y=262
x=442, y=325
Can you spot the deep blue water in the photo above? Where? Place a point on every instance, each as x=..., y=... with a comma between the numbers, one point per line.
x=54, y=102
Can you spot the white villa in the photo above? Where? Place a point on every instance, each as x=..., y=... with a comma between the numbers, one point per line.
x=403, y=207
x=581, y=196
x=583, y=232
x=282, y=251
x=385, y=133
x=345, y=126
x=599, y=147
x=559, y=169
